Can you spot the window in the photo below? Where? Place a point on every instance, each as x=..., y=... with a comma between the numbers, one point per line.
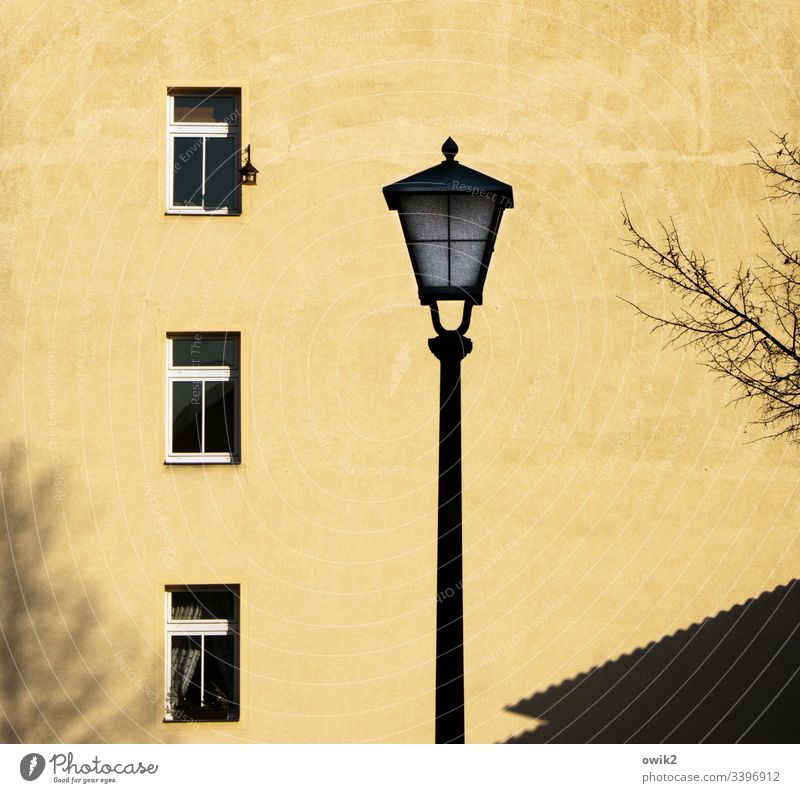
x=203, y=398
x=202, y=653
x=203, y=152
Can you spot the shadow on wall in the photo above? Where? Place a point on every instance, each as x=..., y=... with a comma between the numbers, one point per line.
x=56, y=661
x=732, y=678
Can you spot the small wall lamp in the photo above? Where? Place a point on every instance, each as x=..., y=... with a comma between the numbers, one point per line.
x=248, y=171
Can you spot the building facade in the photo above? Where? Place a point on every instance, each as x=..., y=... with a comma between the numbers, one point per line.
x=220, y=412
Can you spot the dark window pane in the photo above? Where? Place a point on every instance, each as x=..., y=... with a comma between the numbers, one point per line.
x=200, y=604
x=199, y=350
x=219, y=691
x=219, y=416
x=221, y=173
x=205, y=109
x=185, y=683
x=186, y=427
x=187, y=172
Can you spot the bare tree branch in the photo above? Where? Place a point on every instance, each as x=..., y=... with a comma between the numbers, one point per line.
x=745, y=329
x=782, y=168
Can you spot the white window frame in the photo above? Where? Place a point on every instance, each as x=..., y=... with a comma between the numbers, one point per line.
x=202, y=374
x=202, y=628
x=205, y=130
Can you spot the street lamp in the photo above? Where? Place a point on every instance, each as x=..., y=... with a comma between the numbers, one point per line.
x=450, y=215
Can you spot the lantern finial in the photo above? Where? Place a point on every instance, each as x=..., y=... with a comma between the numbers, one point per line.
x=449, y=149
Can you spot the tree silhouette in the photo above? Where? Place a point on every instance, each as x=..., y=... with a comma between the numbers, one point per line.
x=747, y=328
x=57, y=666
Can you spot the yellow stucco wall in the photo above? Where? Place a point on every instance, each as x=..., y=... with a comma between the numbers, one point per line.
x=609, y=495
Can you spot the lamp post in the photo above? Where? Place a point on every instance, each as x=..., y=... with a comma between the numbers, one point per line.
x=450, y=215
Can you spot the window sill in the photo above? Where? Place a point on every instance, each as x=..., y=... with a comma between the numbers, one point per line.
x=206, y=460
x=201, y=720
x=225, y=213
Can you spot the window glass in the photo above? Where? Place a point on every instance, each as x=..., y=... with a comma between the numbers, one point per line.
x=221, y=173
x=186, y=668
x=203, y=395
x=218, y=688
x=203, y=173
x=203, y=675
x=187, y=172
x=187, y=405
x=202, y=641
x=200, y=604
x=200, y=350
x=219, y=416
x=204, y=109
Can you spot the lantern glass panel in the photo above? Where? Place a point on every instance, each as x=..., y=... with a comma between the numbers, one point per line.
x=425, y=217
x=466, y=261
x=431, y=262
x=470, y=216
x=447, y=235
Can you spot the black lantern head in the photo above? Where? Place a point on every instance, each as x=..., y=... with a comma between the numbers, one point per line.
x=450, y=216
x=248, y=171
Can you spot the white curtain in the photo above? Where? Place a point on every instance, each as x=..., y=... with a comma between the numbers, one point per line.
x=185, y=657
x=189, y=611
x=185, y=653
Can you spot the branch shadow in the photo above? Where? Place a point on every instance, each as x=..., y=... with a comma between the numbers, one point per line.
x=732, y=678
x=57, y=667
